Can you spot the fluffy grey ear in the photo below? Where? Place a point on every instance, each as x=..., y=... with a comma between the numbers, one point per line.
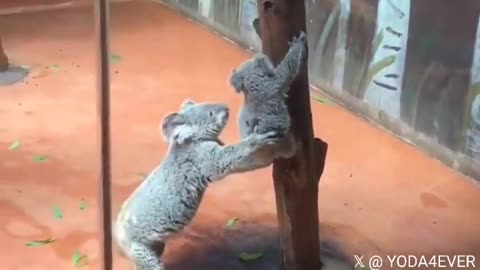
x=236, y=80
x=186, y=103
x=170, y=123
x=175, y=129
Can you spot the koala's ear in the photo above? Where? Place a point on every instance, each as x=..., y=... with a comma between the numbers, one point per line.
x=176, y=129
x=187, y=103
x=236, y=81
x=171, y=122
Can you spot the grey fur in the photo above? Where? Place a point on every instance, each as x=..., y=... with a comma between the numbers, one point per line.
x=169, y=197
x=265, y=90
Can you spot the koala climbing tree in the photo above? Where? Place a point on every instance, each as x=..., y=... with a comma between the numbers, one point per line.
x=169, y=197
x=295, y=179
x=265, y=89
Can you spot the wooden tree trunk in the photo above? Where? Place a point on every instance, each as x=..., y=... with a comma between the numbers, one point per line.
x=296, y=179
x=3, y=58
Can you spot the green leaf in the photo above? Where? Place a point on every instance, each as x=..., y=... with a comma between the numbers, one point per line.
x=376, y=41
x=323, y=100
x=248, y=257
x=115, y=58
x=57, y=213
x=79, y=259
x=38, y=243
x=83, y=205
x=54, y=67
x=231, y=222
x=39, y=159
x=14, y=146
x=25, y=67
x=378, y=66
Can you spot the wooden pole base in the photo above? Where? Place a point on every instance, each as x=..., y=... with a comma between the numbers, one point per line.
x=3, y=58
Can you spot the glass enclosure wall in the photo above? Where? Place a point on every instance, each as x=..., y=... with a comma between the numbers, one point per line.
x=411, y=66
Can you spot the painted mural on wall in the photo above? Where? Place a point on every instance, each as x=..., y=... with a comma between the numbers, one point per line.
x=385, y=75
x=205, y=8
x=341, y=50
x=472, y=123
x=248, y=12
x=401, y=58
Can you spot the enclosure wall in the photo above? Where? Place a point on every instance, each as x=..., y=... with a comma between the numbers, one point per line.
x=411, y=66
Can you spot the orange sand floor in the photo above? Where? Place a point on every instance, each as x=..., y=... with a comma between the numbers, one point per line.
x=378, y=195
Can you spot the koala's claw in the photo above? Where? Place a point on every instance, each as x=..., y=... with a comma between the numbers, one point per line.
x=268, y=138
x=300, y=39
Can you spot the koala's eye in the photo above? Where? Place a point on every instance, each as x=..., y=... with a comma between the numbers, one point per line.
x=210, y=113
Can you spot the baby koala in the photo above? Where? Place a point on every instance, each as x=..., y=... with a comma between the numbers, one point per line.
x=169, y=197
x=265, y=90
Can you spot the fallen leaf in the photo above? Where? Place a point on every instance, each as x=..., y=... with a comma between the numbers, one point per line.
x=248, y=257
x=25, y=67
x=38, y=243
x=83, y=204
x=231, y=222
x=79, y=259
x=57, y=213
x=14, y=146
x=323, y=100
x=54, y=67
x=40, y=159
x=115, y=58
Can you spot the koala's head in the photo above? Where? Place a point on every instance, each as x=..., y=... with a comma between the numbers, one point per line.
x=251, y=73
x=195, y=121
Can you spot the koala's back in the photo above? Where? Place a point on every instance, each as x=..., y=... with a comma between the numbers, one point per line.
x=165, y=202
x=268, y=114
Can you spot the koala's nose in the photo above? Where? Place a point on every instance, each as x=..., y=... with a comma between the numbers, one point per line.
x=226, y=112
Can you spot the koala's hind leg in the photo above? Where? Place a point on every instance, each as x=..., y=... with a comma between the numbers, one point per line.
x=287, y=147
x=145, y=257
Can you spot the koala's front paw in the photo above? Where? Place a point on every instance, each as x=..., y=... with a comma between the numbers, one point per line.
x=262, y=139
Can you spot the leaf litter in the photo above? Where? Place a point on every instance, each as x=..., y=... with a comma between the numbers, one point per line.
x=231, y=223
x=250, y=256
x=40, y=159
x=14, y=146
x=57, y=212
x=79, y=259
x=38, y=243
x=83, y=204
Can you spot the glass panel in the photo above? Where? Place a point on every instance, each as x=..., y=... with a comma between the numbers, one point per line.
x=48, y=134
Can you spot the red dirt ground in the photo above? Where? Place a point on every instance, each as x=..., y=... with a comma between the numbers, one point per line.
x=377, y=196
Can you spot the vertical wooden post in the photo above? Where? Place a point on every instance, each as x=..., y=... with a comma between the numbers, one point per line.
x=3, y=58
x=103, y=108
x=296, y=179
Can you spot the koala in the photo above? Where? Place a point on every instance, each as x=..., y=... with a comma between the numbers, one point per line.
x=169, y=197
x=265, y=90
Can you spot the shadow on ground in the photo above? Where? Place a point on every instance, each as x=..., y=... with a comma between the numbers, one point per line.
x=205, y=250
